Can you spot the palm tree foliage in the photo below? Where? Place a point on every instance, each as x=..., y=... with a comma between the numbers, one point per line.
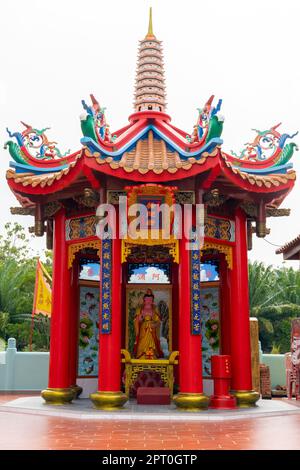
x=17, y=278
x=16, y=282
x=274, y=295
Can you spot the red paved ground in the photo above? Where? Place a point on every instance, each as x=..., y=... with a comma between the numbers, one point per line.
x=20, y=431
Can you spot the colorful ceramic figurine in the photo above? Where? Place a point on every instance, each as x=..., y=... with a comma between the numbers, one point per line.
x=35, y=143
x=209, y=124
x=268, y=147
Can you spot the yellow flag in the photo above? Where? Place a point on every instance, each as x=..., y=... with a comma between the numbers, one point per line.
x=42, y=292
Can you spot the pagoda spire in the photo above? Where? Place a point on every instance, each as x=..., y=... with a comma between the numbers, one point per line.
x=150, y=92
x=150, y=33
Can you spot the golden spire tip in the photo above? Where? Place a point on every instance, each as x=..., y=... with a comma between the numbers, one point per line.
x=150, y=26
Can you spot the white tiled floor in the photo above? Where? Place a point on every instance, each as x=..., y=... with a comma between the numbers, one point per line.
x=83, y=409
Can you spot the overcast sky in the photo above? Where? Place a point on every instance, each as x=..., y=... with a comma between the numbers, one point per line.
x=54, y=53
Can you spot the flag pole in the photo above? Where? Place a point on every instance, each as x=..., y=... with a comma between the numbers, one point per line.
x=45, y=272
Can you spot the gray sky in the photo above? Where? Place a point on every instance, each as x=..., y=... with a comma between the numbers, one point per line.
x=54, y=53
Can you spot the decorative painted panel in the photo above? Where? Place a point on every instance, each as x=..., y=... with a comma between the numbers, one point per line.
x=195, y=292
x=105, y=280
x=220, y=229
x=88, y=331
x=210, y=324
x=81, y=227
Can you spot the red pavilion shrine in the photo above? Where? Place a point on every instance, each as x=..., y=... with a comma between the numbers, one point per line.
x=127, y=311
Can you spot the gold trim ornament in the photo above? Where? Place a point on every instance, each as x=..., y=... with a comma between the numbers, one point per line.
x=172, y=245
x=108, y=401
x=185, y=197
x=113, y=197
x=246, y=398
x=191, y=401
x=152, y=195
x=226, y=249
x=133, y=367
x=150, y=189
x=77, y=390
x=58, y=396
x=74, y=248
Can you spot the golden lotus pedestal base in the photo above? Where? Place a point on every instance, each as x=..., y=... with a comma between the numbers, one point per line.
x=245, y=398
x=77, y=390
x=191, y=401
x=108, y=401
x=58, y=396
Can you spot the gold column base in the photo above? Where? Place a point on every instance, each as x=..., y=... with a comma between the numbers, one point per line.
x=58, y=396
x=245, y=398
x=191, y=401
x=108, y=400
x=77, y=390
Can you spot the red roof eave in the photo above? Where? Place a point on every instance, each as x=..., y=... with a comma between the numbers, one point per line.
x=67, y=177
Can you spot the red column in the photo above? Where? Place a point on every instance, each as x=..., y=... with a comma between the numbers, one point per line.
x=58, y=391
x=110, y=344
x=224, y=306
x=175, y=316
x=240, y=324
x=109, y=395
x=190, y=349
x=74, y=328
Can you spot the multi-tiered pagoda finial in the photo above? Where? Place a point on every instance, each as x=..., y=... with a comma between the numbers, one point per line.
x=150, y=83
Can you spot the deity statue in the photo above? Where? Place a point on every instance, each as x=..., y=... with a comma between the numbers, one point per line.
x=147, y=329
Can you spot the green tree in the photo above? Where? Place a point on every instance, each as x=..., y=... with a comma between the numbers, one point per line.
x=16, y=287
x=262, y=285
x=14, y=244
x=17, y=279
x=288, y=284
x=274, y=300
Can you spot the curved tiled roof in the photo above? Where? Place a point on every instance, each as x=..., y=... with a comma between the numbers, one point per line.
x=293, y=243
x=42, y=180
x=151, y=154
x=275, y=179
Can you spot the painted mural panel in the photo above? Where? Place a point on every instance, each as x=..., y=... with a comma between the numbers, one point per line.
x=88, y=331
x=80, y=227
x=210, y=324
